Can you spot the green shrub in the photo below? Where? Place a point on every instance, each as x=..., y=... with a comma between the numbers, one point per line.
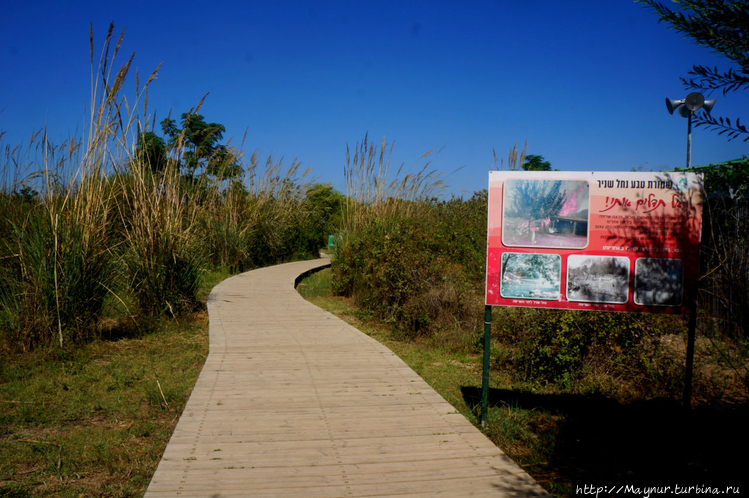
x=421, y=273
x=55, y=274
x=165, y=276
x=566, y=347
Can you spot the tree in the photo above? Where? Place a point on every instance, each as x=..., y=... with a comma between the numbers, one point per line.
x=326, y=205
x=536, y=163
x=200, y=146
x=150, y=151
x=534, y=199
x=723, y=26
x=223, y=163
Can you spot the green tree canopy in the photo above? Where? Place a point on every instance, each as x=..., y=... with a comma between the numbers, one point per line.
x=723, y=26
x=199, y=143
x=150, y=151
x=536, y=163
x=325, y=205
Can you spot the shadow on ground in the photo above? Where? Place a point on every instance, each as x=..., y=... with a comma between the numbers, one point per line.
x=657, y=442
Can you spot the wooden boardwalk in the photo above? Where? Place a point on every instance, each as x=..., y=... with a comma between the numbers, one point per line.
x=292, y=401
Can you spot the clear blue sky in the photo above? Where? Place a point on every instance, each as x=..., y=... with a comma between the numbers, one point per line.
x=584, y=81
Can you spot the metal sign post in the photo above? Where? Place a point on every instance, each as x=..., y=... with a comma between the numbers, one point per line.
x=487, y=357
x=690, y=361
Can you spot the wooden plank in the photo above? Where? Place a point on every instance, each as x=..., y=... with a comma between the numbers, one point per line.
x=294, y=402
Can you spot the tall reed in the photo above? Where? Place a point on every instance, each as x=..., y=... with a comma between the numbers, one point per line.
x=393, y=254
x=90, y=218
x=261, y=218
x=372, y=193
x=60, y=253
x=515, y=158
x=57, y=261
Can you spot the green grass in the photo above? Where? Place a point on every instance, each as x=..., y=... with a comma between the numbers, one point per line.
x=94, y=420
x=560, y=437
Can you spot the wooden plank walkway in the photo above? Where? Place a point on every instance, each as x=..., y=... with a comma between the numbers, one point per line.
x=292, y=401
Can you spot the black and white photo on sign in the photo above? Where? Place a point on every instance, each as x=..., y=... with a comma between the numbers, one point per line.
x=658, y=281
x=598, y=279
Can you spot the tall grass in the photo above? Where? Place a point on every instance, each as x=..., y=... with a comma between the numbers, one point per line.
x=161, y=253
x=402, y=253
x=374, y=192
x=57, y=259
x=88, y=222
x=515, y=158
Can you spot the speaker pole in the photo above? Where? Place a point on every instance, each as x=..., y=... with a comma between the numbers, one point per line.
x=689, y=140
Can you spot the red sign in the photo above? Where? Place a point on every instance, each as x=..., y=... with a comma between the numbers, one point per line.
x=594, y=241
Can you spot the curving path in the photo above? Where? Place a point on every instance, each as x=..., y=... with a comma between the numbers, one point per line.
x=292, y=401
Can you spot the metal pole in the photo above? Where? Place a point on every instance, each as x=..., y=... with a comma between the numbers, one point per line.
x=487, y=357
x=691, y=338
x=690, y=358
x=692, y=326
x=689, y=140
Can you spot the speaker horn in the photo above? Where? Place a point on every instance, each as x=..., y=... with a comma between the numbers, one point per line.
x=694, y=101
x=672, y=104
x=708, y=105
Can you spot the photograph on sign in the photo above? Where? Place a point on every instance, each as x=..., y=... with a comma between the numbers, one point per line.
x=597, y=279
x=658, y=282
x=545, y=213
x=607, y=241
x=531, y=275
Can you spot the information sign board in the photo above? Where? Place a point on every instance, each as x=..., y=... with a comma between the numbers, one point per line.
x=594, y=240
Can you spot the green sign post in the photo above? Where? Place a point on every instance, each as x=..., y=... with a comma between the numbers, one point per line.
x=487, y=351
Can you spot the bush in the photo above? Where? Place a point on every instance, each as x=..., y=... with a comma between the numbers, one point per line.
x=165, y=276
x=566, y=348
x=56, y=270
x=421, y=273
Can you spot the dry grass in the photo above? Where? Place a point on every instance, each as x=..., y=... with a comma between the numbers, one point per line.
x=371, y=191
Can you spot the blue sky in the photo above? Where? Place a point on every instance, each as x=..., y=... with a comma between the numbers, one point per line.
x=583, y=81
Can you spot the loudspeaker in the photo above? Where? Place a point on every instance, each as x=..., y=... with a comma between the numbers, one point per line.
x=708, y=105
x=694, y=101
x=671, y=104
